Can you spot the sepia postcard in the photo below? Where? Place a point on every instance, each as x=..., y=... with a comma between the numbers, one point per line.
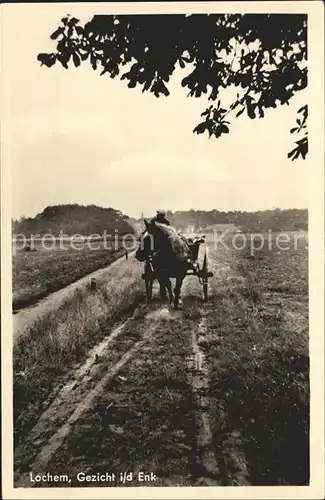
x=162, y=250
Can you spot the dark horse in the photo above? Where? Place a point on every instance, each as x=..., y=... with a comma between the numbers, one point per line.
x=169, y=253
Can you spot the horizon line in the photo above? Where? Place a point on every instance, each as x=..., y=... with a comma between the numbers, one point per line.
x=168, y=210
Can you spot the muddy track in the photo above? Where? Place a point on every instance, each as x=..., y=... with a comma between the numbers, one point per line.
x=74, y=399
x=200, y=384
x=87, y=384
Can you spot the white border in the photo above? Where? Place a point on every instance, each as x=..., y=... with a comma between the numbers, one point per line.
x=315, y=11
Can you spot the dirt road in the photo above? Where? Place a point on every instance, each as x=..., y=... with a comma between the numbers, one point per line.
x=25, y=318
x=139, y=398
x=140, y=410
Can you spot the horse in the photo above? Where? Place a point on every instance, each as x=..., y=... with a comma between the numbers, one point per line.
x=170, y=254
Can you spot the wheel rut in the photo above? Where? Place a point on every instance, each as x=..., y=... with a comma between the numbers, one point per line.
x=74, y=398
x=145, y=390
x=200, y=381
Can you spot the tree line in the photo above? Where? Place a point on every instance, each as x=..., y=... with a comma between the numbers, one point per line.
x=262, y=220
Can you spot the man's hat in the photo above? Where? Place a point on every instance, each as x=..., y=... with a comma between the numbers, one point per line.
x=161, y=212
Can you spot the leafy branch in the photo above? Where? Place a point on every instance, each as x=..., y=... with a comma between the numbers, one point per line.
x=263, y=55
x=301, y=131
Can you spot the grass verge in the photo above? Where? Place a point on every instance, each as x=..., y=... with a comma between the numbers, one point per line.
x=37, y=274
x=260, y=371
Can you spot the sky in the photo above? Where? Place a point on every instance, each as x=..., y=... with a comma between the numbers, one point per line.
x=78, y=137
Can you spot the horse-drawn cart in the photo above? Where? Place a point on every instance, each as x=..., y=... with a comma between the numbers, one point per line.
x=194, y=268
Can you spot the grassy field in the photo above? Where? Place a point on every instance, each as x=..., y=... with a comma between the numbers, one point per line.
x=259, y=364
x=255, y=343
x=38, y=273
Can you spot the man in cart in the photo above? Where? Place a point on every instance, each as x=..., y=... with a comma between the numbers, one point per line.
x=161, y=218
x=193, y=243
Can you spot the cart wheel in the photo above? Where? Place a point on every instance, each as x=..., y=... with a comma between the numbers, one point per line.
x=149, y=285
x=148, y=279
x=205, y=289
x=205, y=277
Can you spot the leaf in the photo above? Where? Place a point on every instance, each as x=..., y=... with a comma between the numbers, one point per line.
x=93, y=61
x=76, y=59
x=199, y=129
x=43, y=58
x=164, y=89
x=84, y=55
x=240, y=112
x=62, y=60
x=147, y=85
x=206, y=112
x=300, y=150
x=57, y=33
x=217, y=114
x=249, y=99
x=47, y=59
x=234, y=105
x=73, y=21
x=294, y=129
x=304, y=151
x=250, y=110
x=293, y=154
x=224, y=129
x=303, y=147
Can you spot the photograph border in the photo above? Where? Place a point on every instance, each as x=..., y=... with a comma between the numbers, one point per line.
x=315, y=164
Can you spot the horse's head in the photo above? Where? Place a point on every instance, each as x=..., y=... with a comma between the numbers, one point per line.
x=146, y=243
